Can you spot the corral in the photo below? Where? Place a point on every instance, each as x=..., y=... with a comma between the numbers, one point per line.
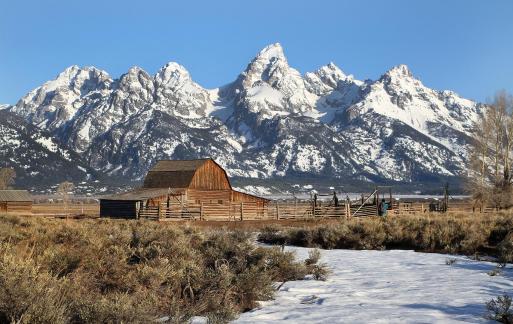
x=275, y=211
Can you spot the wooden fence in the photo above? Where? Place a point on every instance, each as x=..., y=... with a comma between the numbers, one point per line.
x=275, y=210
x=255, y=211
x=290, y=210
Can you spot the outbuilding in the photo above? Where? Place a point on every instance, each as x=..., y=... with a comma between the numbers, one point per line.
x=182, y=189
x=15, y=201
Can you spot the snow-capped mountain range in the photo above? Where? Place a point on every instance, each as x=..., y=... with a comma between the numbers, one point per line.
x=271, y=122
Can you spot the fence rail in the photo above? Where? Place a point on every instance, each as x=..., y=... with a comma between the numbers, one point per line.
x=289, y=210
x=275, y=210
x=254, y=211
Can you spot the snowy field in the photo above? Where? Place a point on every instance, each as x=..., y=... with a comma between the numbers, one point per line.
x=387, y=287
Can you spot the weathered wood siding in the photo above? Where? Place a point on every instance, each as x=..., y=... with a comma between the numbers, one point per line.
x=155, y=201
x=208, y=196
x=238, y=196
x=118, y=208
x=210, y=176
x=16, y=207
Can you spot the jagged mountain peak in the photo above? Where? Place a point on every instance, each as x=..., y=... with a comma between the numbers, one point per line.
x=134, y=73
x=331, y=67
x=401, y=70
x=399, y=74
x=271, y=121
x=77, y=78
x=331, y=74
x=272, y=51
x=269, y=65
x=134, y=78
x=172, y=73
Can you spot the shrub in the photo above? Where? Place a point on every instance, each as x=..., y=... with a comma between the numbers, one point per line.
x=313, y=257
x=271, y=235
x=320, y=271
x=500, y=310
x=447, y=233
x=29, y=295
x=506, y=249
x=102, y=271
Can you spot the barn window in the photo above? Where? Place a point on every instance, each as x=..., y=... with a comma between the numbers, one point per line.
x=197, y=201
x=220, y=202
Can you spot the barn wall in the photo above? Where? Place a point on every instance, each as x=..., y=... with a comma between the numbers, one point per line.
x=3, y=207
x=210, y=176
x=237, y=196
x=19, y=207
x=208, y=196
x=155, y=201
x=118, y=208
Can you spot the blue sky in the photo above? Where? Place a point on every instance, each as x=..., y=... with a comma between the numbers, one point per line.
x=462, y=45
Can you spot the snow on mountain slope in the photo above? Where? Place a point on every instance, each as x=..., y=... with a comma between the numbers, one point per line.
x=397, y=94
x=56, y=102
x=269, y=86
x=38, y=159
x=270, y=122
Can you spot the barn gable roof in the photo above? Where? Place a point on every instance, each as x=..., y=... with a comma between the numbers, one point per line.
x=15, y=195
x=175, y=173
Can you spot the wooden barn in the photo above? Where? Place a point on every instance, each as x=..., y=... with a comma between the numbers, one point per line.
x=182, y=189
x=15, y=201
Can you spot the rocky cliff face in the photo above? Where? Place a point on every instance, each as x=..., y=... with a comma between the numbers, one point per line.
x=39, y=160
x=270, y=122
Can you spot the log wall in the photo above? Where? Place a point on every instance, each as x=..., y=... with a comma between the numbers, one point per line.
x=16, y=207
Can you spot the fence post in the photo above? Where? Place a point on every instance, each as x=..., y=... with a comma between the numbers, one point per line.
x=201, y=211
x=159, y=212
x=242, y=211
x=295, y=208
x=277, y=210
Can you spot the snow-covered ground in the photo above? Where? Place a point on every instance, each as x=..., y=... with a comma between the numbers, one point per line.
x=387, y=287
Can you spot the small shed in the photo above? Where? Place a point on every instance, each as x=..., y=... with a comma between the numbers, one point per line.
x=178, y=186
x=128, y=204
x=15, y=201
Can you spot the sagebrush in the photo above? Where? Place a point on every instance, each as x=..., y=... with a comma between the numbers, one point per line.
x=109, y=271
x=464, y=234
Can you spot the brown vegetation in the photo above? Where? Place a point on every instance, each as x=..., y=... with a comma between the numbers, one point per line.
x=7, y=176
x=490, y=234
x=111, y=271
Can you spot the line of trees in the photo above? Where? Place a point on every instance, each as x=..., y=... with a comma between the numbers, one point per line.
x=491, y=159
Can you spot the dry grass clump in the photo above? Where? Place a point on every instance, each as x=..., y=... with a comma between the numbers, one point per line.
x=106, y=271
x=500, y=310
x=465, y=234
